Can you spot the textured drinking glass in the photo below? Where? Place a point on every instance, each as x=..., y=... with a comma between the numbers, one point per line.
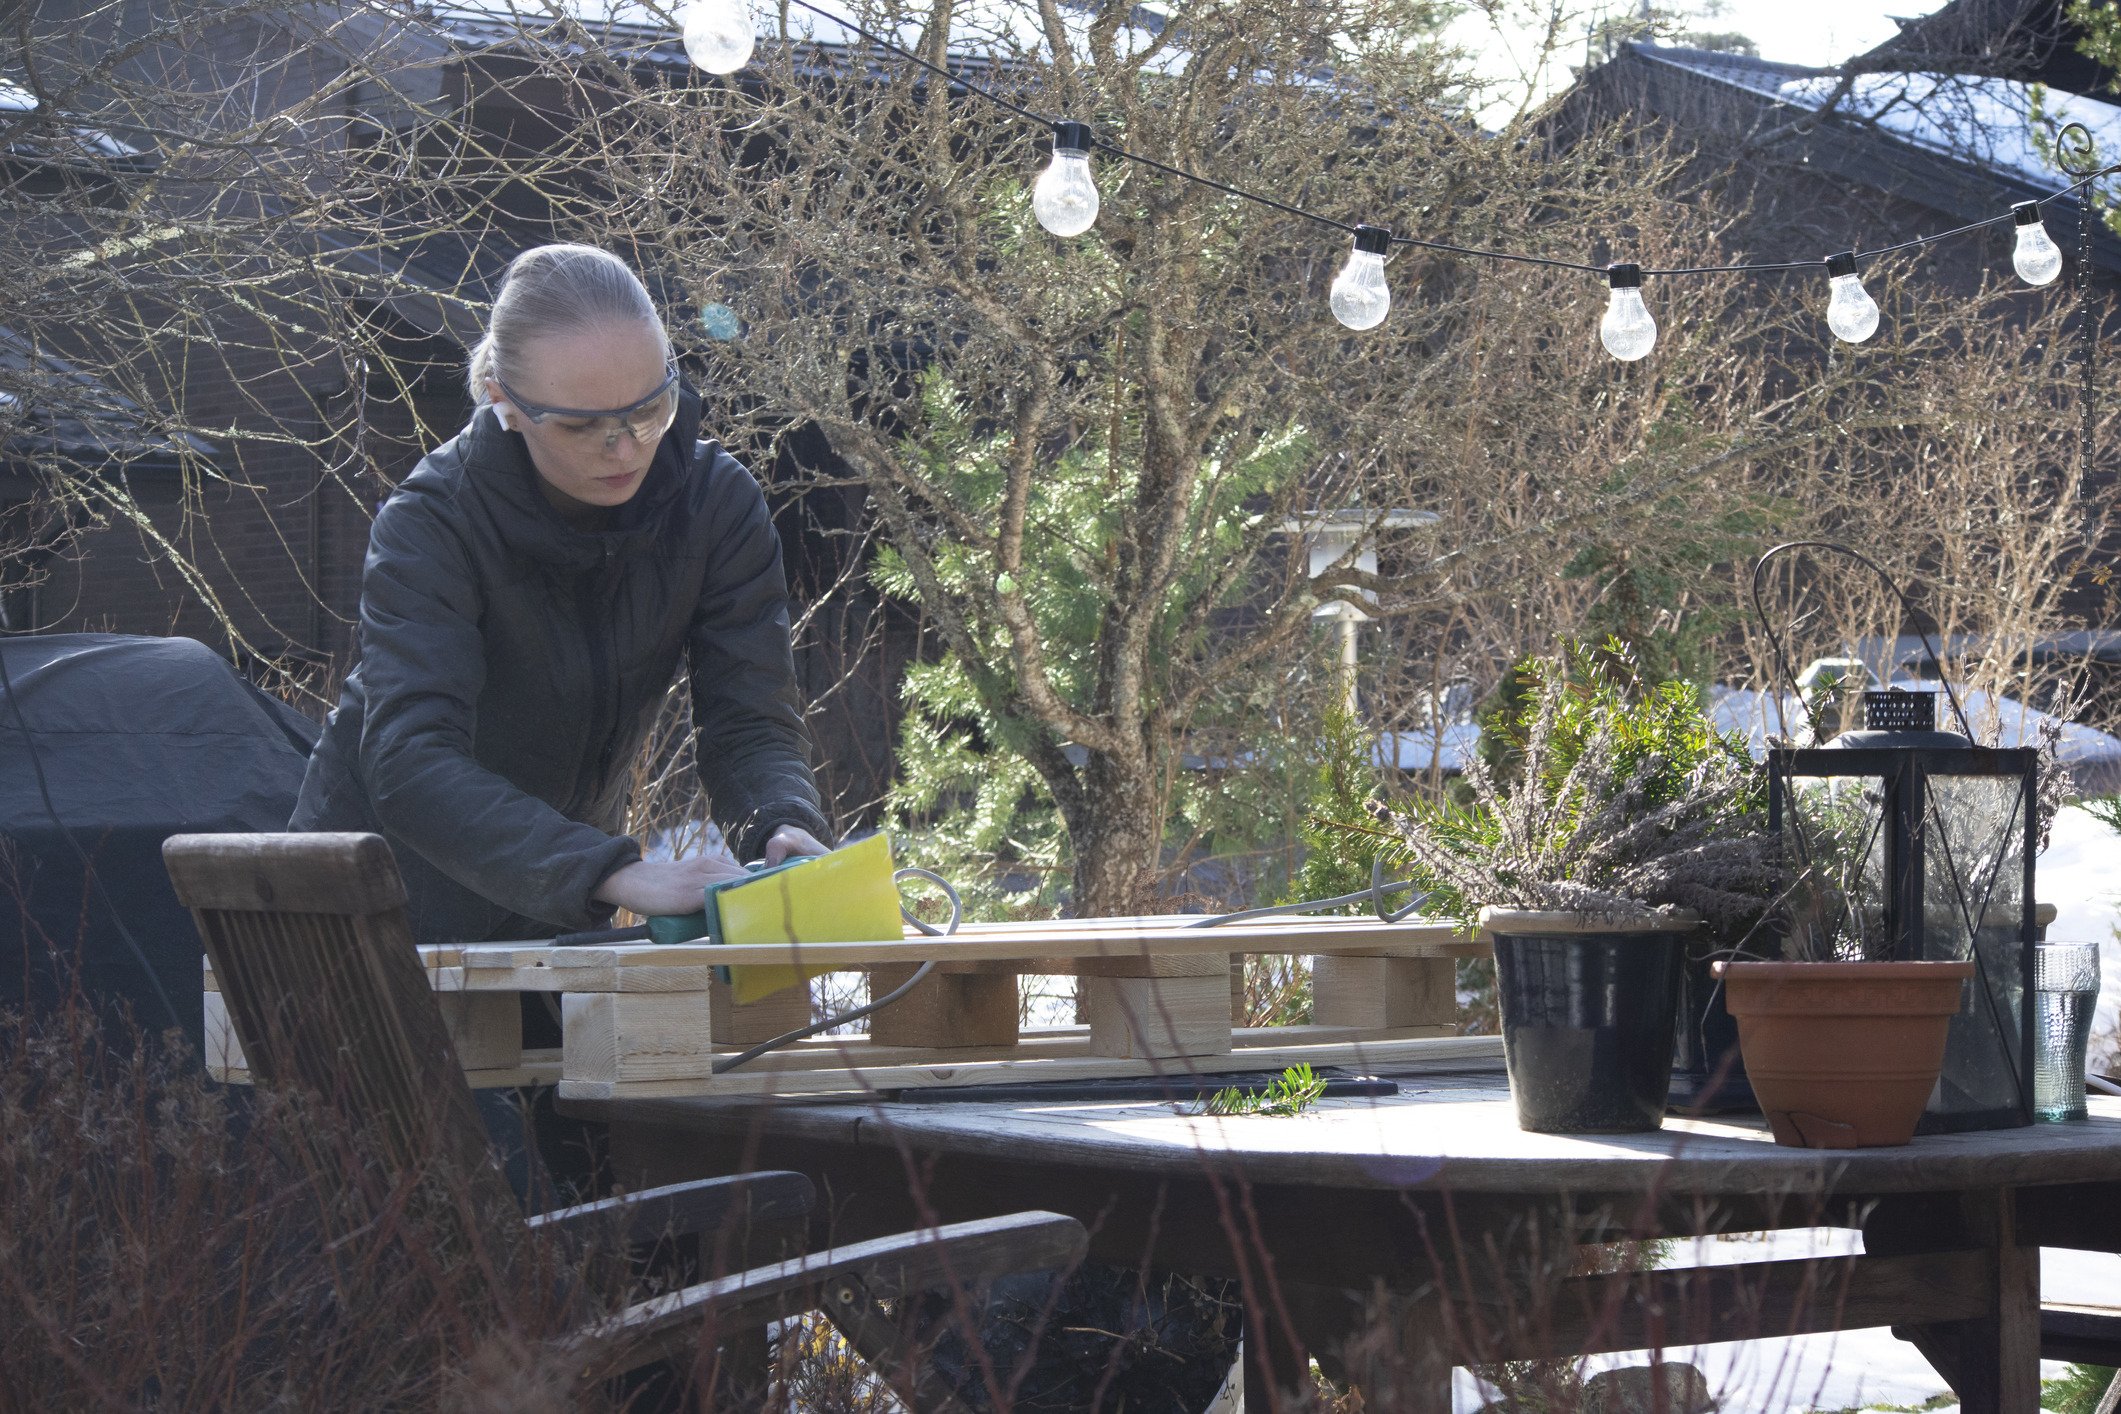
x=2066, y=979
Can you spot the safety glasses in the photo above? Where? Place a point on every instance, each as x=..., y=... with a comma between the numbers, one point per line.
x=645, y=421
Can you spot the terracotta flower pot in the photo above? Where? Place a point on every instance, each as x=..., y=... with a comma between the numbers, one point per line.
x=1843, y=1055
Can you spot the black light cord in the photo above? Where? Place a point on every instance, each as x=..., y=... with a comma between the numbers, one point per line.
x=88, y=867
x=1447, y=247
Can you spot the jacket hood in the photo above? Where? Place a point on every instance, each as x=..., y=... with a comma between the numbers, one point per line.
x=497, y=465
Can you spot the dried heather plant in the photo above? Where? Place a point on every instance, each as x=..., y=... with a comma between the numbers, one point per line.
x=1614, y=807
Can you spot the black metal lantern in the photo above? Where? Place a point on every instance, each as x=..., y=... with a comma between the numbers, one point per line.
x=1909, y=843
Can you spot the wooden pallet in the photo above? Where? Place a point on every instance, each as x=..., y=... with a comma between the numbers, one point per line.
x=646, y=1021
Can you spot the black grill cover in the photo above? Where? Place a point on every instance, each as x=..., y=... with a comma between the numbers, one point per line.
x=139, y=739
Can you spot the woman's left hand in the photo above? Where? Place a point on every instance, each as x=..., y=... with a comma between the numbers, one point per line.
x=789, y=841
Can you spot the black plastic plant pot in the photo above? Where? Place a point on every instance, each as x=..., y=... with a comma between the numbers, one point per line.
x=1589, y=1006
x=1708, y=1074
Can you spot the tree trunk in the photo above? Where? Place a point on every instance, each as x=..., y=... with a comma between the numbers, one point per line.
x=1117, y=839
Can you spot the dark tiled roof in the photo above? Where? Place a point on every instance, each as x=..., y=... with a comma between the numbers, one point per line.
x=1969, y=180
x=51, y=409
x=2033, y=40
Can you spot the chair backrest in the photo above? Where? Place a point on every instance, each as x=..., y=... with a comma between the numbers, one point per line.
x=315, y=961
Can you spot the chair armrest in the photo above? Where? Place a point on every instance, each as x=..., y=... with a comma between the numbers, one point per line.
x=958, y=1253
x=682, y=1209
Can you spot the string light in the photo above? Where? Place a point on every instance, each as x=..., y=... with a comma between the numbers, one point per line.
x=1360, y=297
x=2037, y=259
x=1065, y=198
x=1627, y=331
x=1850, y=311
x=719, y=37
x=719, y=34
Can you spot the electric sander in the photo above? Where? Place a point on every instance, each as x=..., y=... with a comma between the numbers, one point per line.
x=846, y=896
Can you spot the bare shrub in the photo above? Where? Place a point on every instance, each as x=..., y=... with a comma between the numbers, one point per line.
x=162, y=1247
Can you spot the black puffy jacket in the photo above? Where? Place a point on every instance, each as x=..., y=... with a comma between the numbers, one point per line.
x=511, y=666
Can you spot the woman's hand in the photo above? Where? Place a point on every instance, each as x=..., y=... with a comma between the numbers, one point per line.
x=657, y=887
x=789, y=841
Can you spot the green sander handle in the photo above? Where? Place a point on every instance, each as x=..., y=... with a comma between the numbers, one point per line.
x=669, y=928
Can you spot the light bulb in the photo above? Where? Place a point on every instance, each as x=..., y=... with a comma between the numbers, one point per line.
x=1065, y=199
x=2038, y=260
x=719, y=34
x=1850, y=312
x=1361, y=299
x=1627, y=331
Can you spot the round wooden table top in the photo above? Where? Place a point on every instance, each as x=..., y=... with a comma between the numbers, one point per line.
x=1455, y=1131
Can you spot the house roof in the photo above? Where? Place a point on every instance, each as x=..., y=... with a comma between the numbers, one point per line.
x=28, y=130
x=51, y=409
x=2030, y=40
x=984, y=34
x=1958, y=143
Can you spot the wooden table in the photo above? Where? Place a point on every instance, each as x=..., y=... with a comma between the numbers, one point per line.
x=1431, y=1219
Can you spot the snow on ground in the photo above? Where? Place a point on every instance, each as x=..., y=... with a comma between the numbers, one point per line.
x=2092, y=755
x=1853, y=1370
x=2080, y=874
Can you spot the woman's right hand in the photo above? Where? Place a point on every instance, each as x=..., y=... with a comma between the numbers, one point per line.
x=657, y=887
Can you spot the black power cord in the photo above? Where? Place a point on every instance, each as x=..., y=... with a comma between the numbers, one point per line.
x=88, y=867
x=920, y=974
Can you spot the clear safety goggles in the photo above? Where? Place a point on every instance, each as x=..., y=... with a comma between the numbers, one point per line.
x=645, y=421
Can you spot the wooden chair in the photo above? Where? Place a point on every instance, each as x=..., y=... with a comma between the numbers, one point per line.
x=327, y=995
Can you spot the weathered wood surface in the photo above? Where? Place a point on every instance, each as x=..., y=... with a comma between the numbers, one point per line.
x=646, y=1020
x=1158, y=1018
x=313, y=873
x=1384, y=991
x=536, y=966
x=947, y=1011
x=851, y=1068
x=737, y=1026
x=1744, y=1301
x=956, y=1255
x=336, y=1003
x=1441, y=1132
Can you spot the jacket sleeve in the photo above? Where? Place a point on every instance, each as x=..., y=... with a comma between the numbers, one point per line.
x=753, y=753
x=423, y=662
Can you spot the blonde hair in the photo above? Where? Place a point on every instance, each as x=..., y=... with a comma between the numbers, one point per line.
x=554, y=288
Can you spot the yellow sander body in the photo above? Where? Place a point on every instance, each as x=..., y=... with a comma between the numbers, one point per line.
x=846, y=896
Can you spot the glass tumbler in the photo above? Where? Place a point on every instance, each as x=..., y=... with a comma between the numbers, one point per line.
x=2066, y=980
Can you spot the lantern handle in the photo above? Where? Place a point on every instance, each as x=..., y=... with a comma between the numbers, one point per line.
x=1782, y=659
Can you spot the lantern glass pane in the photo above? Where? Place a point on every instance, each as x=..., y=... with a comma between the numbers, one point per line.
x=1837, y=905
x=1973, y=906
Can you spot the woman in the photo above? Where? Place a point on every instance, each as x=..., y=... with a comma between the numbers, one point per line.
x=529, y=592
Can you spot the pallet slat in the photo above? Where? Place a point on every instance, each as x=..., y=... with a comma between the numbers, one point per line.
x=628, y=966
x=1041, y=1064
x=649, y=1020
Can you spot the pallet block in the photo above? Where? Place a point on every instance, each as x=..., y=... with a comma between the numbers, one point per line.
x=1199, y=964
x=739, y=1026
x=485, y=1027
x=1384, y=992
x=622, y=1036
x=1159, y=1017
x=948, y=1011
